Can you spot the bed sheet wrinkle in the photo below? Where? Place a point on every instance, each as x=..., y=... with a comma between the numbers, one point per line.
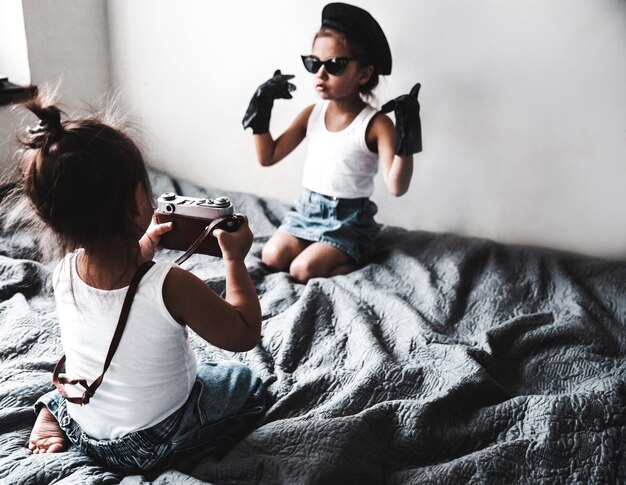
x=21, y=276
x=446, y=359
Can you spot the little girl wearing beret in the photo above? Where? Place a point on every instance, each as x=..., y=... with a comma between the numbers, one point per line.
x=331, y=229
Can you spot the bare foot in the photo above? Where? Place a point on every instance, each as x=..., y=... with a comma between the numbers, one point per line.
x=46, y=436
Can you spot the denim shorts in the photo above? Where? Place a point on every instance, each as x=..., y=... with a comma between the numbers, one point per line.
x=224, y=404
x=346, y=224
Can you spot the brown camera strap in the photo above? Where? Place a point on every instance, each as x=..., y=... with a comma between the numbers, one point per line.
x=196, y=244
x=60, y=381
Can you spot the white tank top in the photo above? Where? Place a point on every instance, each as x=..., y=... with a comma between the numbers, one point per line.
x=339, y=163
x=153, y=369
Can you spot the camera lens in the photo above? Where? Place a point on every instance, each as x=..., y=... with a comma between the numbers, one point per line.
x=169, y=208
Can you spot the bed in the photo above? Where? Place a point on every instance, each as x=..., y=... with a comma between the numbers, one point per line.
x=446, y=359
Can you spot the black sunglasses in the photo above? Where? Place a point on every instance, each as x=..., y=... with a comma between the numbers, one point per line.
x=334, y=66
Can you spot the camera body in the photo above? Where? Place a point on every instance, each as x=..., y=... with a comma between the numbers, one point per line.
x=190, y=216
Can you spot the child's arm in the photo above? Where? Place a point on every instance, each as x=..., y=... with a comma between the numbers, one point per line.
x=396, y=146
x=233, y=322
x=397, y=169
x=270, y=151
x=259, y=112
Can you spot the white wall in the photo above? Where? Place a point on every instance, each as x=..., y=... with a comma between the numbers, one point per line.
x=67, y=47
x=13, y=50
x=523, y=106
x=14, y=65
x=523, y=102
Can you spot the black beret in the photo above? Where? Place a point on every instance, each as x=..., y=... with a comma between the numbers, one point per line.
x=358, y=24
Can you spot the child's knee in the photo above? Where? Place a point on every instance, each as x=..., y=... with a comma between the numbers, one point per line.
x=274, y=258
x=302, y=270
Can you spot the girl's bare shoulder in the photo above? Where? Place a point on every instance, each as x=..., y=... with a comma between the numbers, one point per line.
x=305, y=114
x=380, y=127
x=380, y=121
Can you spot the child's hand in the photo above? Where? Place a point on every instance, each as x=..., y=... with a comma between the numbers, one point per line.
x=259, y=110
x=235, y=245
x=149, y=242
x=406, y=109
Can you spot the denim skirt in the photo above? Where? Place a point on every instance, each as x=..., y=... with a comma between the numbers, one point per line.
x=346, y=224
x=225, y=403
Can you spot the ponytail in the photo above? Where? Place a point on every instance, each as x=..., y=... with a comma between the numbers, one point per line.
x=49, y=128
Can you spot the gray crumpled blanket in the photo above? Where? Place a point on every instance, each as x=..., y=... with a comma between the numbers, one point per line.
x=444, y=360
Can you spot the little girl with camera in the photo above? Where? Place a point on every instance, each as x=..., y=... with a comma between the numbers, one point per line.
x=88, y=183
x=332, y=228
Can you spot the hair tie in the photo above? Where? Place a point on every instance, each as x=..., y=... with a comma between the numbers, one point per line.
x=40, y=128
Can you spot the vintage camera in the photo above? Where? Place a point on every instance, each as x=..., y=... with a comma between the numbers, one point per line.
x=191, y=216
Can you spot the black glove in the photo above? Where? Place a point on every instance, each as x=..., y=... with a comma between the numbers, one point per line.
x=259, y=110
x=408, y=125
